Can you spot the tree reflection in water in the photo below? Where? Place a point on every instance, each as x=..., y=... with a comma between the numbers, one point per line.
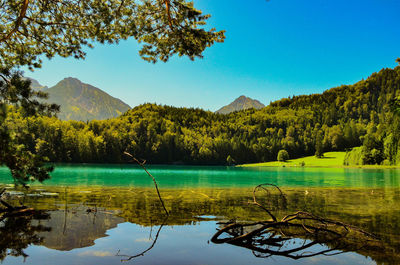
x=18, y=232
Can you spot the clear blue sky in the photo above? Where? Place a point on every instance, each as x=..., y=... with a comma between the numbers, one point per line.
x=273, y=49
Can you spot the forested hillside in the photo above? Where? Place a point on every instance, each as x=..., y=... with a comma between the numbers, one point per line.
x=341, y=118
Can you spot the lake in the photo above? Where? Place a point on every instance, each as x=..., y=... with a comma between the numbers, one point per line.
x=105, y=214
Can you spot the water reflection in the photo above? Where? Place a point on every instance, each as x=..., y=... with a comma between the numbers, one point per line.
x=17, y=233
x=91, y=225
x=297, y=240
x=131, y=257
x=76, y=227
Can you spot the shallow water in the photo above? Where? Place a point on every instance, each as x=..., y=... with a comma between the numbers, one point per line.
x=106, y=214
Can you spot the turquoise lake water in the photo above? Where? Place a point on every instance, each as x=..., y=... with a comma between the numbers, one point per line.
x=210, y=176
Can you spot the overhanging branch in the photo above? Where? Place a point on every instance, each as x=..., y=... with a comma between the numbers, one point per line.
x=18, y=22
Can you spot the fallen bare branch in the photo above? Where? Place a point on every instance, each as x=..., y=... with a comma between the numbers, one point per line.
x=273, y=237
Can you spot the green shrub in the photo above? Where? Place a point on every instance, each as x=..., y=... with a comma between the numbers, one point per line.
x=353, y=157
x=283, y=155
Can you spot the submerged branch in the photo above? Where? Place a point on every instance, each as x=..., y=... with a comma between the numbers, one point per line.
x=255, y=202
x=279, y=237
x=154, y=180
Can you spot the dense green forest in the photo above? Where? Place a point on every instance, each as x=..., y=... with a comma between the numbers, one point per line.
x=341, y=118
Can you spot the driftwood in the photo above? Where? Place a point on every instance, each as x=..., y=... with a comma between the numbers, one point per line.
x=10, y=211
x=154, y=180
x=294, y=235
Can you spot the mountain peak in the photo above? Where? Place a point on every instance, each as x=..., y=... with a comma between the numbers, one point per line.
x=241, y=103
x=71, y=80
x=80, y=101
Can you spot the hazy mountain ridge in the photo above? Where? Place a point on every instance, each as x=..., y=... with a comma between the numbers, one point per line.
x=36, y=85
x=80, y=101
x=241, y=103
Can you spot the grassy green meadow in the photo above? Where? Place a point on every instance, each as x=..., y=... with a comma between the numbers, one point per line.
x=330, y=159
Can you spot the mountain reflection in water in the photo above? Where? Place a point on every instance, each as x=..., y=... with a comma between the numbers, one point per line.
x=93, y=225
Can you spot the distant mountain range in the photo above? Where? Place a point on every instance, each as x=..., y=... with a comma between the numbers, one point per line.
x=80, y=101
x=241, y=103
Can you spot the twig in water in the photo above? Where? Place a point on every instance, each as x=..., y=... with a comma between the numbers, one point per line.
x=154, y=180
